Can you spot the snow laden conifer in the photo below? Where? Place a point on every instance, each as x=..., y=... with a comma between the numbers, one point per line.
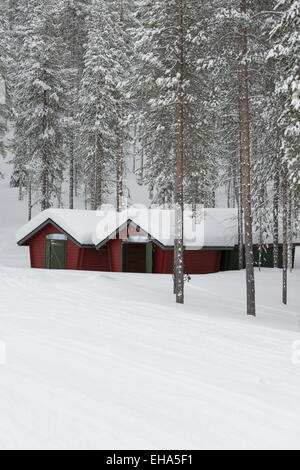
x=171, y=98
x=39, y=89
x=4, y=69
x=98, y=102
x=74, y=34
x=121, y=13
x=286, y=51
x=155, y=83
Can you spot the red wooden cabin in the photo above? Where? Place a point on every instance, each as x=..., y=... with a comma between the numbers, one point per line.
x=65, y=239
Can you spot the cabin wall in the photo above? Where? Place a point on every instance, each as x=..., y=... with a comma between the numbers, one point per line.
x=37, y=249
x=202, y=261
x=115, y=255
x=230, y=259
x=196, y=261
x=94, y=260
x=158, y=259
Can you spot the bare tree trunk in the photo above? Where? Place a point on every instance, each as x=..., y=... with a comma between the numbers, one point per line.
x=178, y=242
x=240, y=180
x=261, y=201
x=76, y=178
x=284, y=236
x=290, y=234
x=29, y=191
x=45, y=176
x=59, y=194
x=20, y=197
x=275, y=217
x=85, y=197
x=97, y=190
x=71, y=168
x=141, y=171
x=246, y=169
x=260, y=243
x=71, y=175
x=234, y=182
x=120, y=162
x=240, y=215
x=228, y=192
x=134, y=149
x=120, y=171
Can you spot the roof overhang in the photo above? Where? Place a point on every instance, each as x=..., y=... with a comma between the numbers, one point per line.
x=24, y=240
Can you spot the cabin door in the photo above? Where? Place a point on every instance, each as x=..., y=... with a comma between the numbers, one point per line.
x=55, y=256
x=137, y=257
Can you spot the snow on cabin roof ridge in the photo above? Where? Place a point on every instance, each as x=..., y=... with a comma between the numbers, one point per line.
x=217, y=227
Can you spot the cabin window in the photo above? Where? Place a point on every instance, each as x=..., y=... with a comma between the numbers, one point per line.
x=137, y=239
x=56, y=236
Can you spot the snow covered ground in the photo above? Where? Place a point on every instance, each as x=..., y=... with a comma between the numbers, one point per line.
x=101, y=360
x=108, y=360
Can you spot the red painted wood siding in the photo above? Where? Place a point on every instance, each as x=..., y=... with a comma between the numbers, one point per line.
x=94, y=260
x=37, y=249
x=196, y=261
x=115, y=255
x=158, y=259
x=202, y=261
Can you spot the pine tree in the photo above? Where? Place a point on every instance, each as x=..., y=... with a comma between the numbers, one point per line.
x=39, y=88
x=121, y=12
x=98, y=107
x=74, y=34
x=4, y=69
x=285, y=51
x=172, y=94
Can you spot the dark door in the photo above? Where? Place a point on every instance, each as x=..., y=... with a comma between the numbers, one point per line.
x=137, y=257
x=55, y=256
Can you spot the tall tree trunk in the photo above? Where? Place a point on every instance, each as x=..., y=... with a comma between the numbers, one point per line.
x=240, y=208
x=290, y=233
x=275, y=217
x=85, y=197
x=59, y=194
x=228, y=192
x=178, y=242
x=71, y=174
x=234, y=183
x=76, y=179
x=240, y=178
x=71, y=169
x=120, y=171
x=20, y=197
x=246, y=168
x=45, y=172
x=29, y=191
x=260, y=247
x=284, y=235
x=97, y=175
x=120, y=162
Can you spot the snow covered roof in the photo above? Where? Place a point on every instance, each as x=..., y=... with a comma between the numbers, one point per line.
x=209, y=228
x=79, y=225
